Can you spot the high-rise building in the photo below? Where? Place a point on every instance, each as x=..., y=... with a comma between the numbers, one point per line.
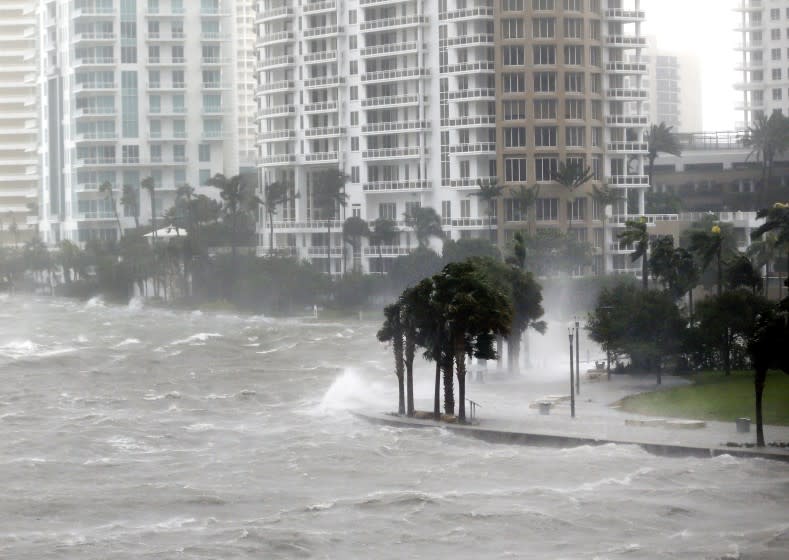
x=420, y=102
x=19, y=129
x=244, y=37
x=764, y=49
x=132, y=89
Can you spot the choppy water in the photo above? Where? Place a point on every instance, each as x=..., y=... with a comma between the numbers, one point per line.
x=139, y=433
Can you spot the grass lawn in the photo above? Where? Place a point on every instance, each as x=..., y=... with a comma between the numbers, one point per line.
x=714, y=396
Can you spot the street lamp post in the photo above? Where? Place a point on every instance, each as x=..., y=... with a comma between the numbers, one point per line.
x=572, y=383
x=577, y=358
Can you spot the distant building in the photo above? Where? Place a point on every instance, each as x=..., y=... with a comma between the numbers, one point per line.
x=132, y=89
x=419, y=101
x=764, y=49
x=19, y=125
x=244, y=37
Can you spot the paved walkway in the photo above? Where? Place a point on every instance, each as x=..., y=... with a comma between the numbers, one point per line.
x=504, y=408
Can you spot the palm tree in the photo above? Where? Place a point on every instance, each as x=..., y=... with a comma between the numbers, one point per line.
x=572, y=175
x=106, y=188
x=14, y=229
x=68, y=258
x=767, y=137
x=489, y=191
x=130, y=200
x=527, y=199
x=708, y=246
x=426, y=223
x=383, y=233
x=274, y=195
x=409, y=324
x=777, y=221
x=635, y=234
x=327, y=194
x=660, y=140
x=605, y=196
x=353, y=229
x=239, y=199
x=764, y=252
x=743, y=272
x=149, y=185
x=392, y=331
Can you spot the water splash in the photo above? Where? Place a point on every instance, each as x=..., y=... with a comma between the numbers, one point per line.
x=351, y=390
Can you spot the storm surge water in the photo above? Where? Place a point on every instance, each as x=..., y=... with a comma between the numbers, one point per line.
x=131, y=432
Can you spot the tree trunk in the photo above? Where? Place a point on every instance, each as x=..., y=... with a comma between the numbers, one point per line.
x=437, y=389
x=270, y=234
x=460, y=360
x=605, y=248
x=726, y=352
x=499, y=351
x=690, y=306
x=397, y=346
x=409, y=372
x=447, y=361
x=644, y=271
x=720, y=268
x=759, y=381
x=328, y=248
x=513, y=353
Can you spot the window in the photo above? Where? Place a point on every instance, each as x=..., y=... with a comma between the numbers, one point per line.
x=204, y=153
x=573, y=28
x=515, y=169
x=776, y=73
x=354, y=68
x=179, y=81
x=547, y=209
x=512, y=56
x=574, y=55
x=465, y=169
x=545, y=109
x=354, y=143
x=575, y=136
x=597, y=137
x=153, y=55
x=514, y=137
x=446, y=209
x=775, y=14
x=775, y=34
x=544, y=136
x=574, y=82
x=542, y=5
x=204, y=177
x=465, y=208
x=574, y=108
x=543, y=28
x=130, y=154
x=512, y=29
x=154, y=104
x=156, y=153
x=513, y=211
x=573, y=5
x=544, y=54
x=354, y=118
x=545, y=167
x=775, y=54
x=544, y=82
x=513, y=82
x=512, y=5
x=777, y=92
x=514, y=110
x=179, y=153
x=354, y=93
x=355, y=173
x=387, y=210
x=352, y=17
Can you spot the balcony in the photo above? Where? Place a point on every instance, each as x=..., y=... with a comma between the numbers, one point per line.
x=273, y=38
x=386, y=251
x=470, y=223
x=310, y=225
x=401, y=126
x=96, y=137
x=92, y=87
x=215, y=36
x=95, y=112
x=274, y=14
x=480, y=66
x=325, y=31
x=320, y=57
x=482, y=40
x=95, y=37
x=328, y=81
x=466, y=14
x=277, y=135
x=388, y=50
x=625, y=41
x=391, y=101
x=627, y=94
x=277, y=110
x=392, y=23
x=98, y=12
x=324, y=132
x=322, y=107
x=470, y=182
x=628, y=147
x=322, y=157
x=318, y=7
x=390, y=75
x=628, y=180
x=749, y=6
x=468, y=122
x=322, y=251
x=277, y=62
x=392, y=153
x=630, y=68
x=480, y=94
x=277, y=159
x=627, y=120
x=474, y=148
x=94, y=61
x=383, y=187
x=281, y=85
x=625, y=16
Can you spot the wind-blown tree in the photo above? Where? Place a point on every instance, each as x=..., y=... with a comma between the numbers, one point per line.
x=767, y=348
x=130, y=200
x=353, y=230
x=489, y=192
x=742, y=272
x=764, y=253
x=463, y=249
x=475, y=312
x=392, y=331
x=275, y=195
x=572, y=175
x=527, y=200
x=605, y=196
x=409, y=323
x=676, y=269
x=767, y=137
x=635, y=234
x=777, y=223
x=328, y=193
x=383, y=233
x=660, y=140
x=426, y=223
x=240, y=203
x=106, y=188
x=150, y=185
x=68, y=257
x=708, y=246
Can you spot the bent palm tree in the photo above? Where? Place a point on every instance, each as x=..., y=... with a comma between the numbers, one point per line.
x=130, y=200
x=329, y=193
x=383, y=233
x=571, y=175
x=353, y=229
x=660, y=140
x=488, y=191
x=150, y=185
x=635, y=234
x=392, y=331
x=777, y=222
x=767, y=137
x=274, y=195
x=605, y=196
x=106, y=188
x=426, y=223
x=527, y=199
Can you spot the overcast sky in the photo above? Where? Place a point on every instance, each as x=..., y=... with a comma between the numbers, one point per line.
x=705, y=27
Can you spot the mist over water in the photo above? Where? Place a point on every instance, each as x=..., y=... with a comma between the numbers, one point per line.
x=131, y=432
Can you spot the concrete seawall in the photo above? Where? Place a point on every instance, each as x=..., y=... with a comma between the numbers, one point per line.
x=522, y=437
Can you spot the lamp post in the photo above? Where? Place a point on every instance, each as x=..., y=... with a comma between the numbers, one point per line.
x=577, y=358
x=572, y=384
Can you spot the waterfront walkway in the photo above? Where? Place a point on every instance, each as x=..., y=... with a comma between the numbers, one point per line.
x=508, y=414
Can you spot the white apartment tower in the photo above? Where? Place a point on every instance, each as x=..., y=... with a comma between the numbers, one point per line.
x=244, y=39
x=764, y=48
x=19, y=164
x=418, y=101
x=132, y=89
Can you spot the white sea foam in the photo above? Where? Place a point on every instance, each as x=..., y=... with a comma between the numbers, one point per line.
x=95, y=301
x=352, y=391
x=136, y=304
x=198, y=339
x=127, y=342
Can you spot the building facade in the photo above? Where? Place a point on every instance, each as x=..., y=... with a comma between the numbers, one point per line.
x=420, y=102
x=19, y=127
x=131, y=89
x=244, y=39
x=764, y=62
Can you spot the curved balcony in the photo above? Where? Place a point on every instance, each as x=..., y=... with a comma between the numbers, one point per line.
x=392, y=23
x=625, y=41
x=628, y=147
x=390, y=127
x=274, y=14
x=625, y=16
x=470, y=122
x=474, y=148
x=479, y=94
x=322, y=157
x=325, y=31
x=409, y=152
x=627, y=94
x=480, y=66
x=274, y=38
x=466, y=14
x=277, y=159
x=328, y=81
x=324, y=132
x=384, y=187
x=391, y=75
x=391, y=101
x=322, y=107
x=320, y=57
x=319, y=7
x=482, y=40
x=273, y=87
x=388, y=50
x=283, y=61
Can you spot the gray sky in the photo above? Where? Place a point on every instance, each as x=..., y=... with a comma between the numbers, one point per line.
x=706, y=28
